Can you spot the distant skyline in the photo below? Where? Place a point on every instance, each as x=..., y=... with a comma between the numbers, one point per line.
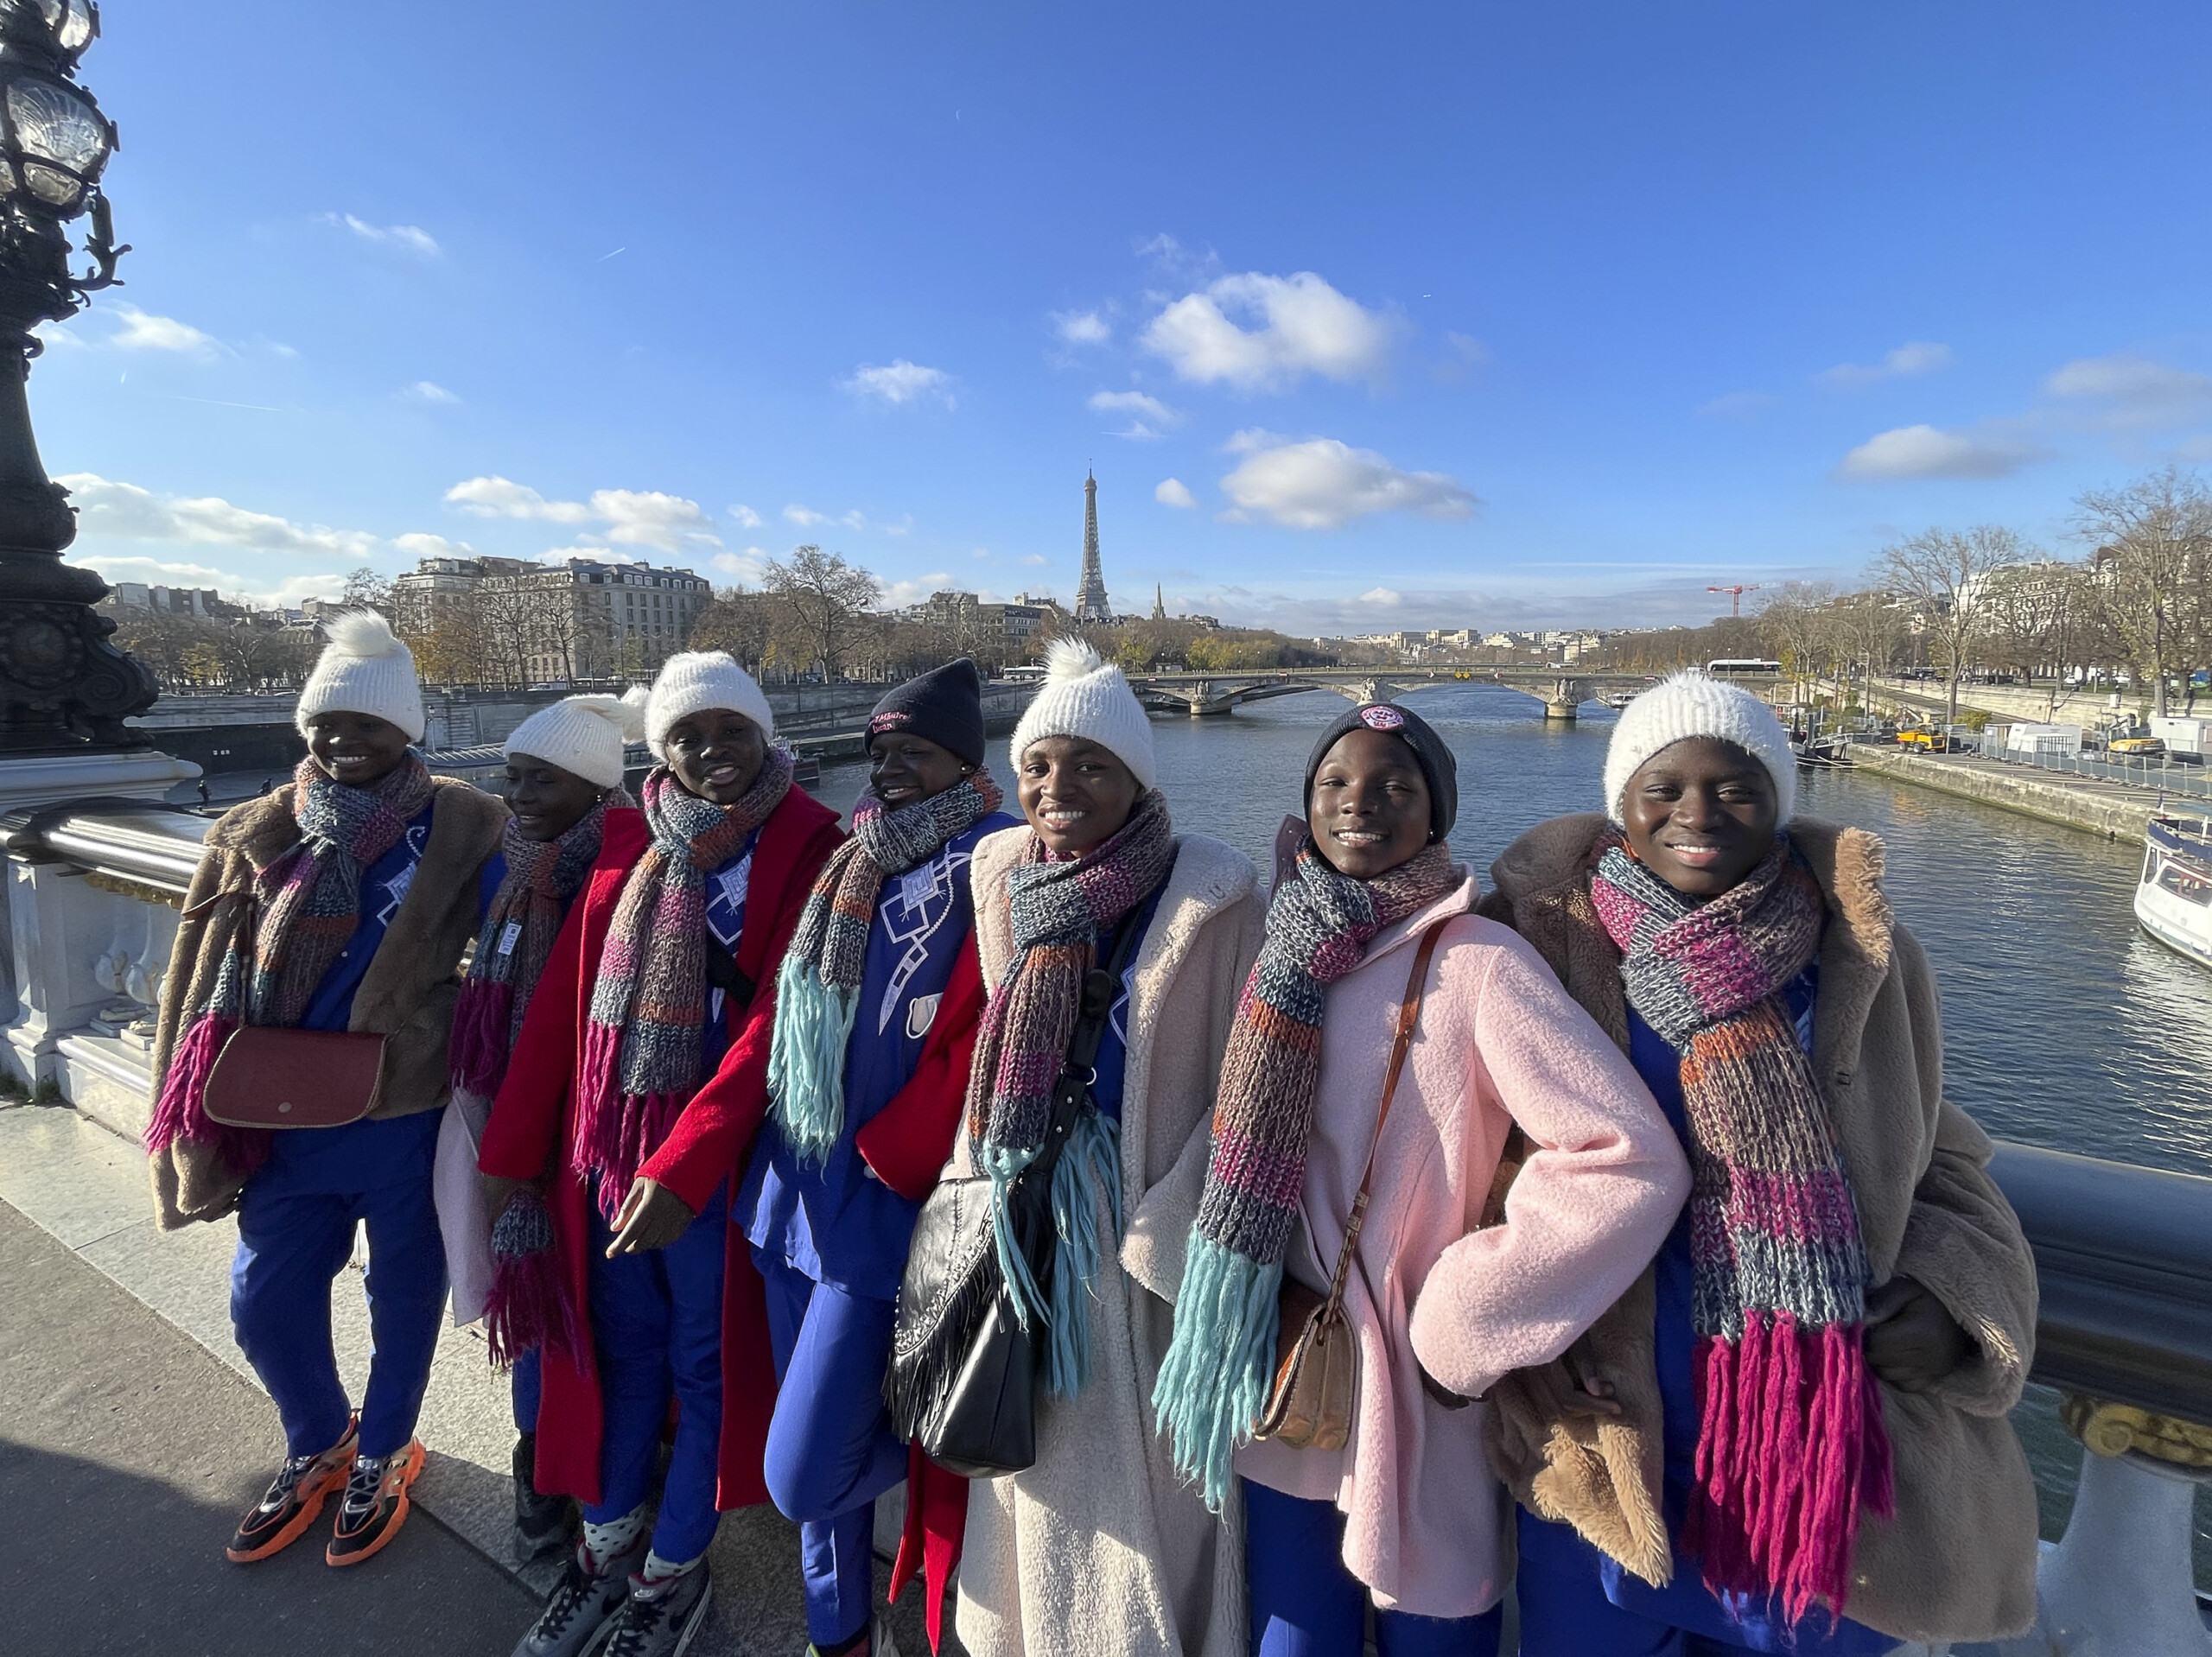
x=1436, y=317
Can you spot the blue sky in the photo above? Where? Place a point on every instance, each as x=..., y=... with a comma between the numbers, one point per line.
x=1367, y=318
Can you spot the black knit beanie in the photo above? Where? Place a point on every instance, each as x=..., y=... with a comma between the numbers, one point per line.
x=1438, y=768
x=944, y=705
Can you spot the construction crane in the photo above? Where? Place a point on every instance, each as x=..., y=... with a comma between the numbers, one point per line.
x=1735, y=596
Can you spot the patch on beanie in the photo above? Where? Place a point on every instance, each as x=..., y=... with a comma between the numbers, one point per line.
x=1381, y=719
x=897, y=720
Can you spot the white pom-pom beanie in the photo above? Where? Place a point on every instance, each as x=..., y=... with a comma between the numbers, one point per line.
x=1084, y=695
x=363, y=670
x=583, y=735
x=692, y=680
x=1690, y=704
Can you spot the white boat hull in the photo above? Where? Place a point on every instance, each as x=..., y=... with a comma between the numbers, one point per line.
x=2173, y=899
x=2190, y=932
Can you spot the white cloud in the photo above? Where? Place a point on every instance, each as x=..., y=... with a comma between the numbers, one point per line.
x=1737, y=405
x=156, y=572
x=1321, y=484
x=1385, y=597
x=900, y=381
x=2133, y=392
x=1082, y=327
x=980, y=552
x=1173, y=491
x=1037, y=558
x=124, y=509
x=746, y=566
x=1924, y=452
x=1914, y=357
x=641, y=518
x=419, y=544
x=1139, y=408
x=898, y=595
x=744, y=518
x=428, y=391
x=143, y=331
x=411, y=238
x=807, y=519
x=1299, y=325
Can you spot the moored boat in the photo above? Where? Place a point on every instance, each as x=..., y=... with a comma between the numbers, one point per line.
x=2173, y=900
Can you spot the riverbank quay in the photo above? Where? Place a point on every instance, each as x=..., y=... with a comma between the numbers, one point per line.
x=2116, y=810
x=85, y=1188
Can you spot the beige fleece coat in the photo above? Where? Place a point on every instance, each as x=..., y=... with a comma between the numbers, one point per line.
x=1100, y=1549
x=407, y=993
x=1957, y=1562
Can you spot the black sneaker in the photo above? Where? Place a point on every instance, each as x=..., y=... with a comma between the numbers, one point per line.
x=659, y=1618
x=576, y=1617
x=296, y=1496
x=375, y=1505
x=543, y=1523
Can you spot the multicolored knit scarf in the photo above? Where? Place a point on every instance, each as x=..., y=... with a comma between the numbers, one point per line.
x=1790, y=1440
x=1213, y=1383
x=542, y=878
x=818, y=986
x=1058, y=910
x=308, y=903
x=642, y=1036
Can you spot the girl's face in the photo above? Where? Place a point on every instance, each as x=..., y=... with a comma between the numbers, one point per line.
x=1701, y=815
x=903, y=768
x=355, y=749
x=1368, y=811
x=546, y=800
x=1075, y=794
x=715, y=754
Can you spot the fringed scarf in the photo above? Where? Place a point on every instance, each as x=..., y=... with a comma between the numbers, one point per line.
x=308, y=904
x=542, y=878
x=1790, y=1440
x=1058, y=910
x=818, y=986
x=643, y=1036
x=1214, y=1381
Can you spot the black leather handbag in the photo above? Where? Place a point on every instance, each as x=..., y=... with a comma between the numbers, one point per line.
x=962, y=1378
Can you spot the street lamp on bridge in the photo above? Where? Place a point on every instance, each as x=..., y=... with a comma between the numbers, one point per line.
x=63, y=685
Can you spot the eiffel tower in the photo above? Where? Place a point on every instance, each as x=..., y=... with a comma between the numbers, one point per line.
x=1090, y=603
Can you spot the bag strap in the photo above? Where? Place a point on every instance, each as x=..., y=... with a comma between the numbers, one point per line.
x=1409, y=1016
x=1101, y=988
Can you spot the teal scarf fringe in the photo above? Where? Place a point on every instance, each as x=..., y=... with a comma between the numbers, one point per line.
x=806, y=1058
x=1091, y=1162
x=1213, y=1383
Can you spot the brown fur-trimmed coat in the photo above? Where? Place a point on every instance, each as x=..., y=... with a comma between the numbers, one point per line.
x=1957, y=1562
x=407, y=993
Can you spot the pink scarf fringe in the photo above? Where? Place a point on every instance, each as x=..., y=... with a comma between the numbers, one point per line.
x=180, y=1111
x=529, y=1307
x=1790, y=1444
x=616, y=1131
x=481, y=1020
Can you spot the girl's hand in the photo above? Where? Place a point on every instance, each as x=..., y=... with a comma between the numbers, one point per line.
x=652, y=1216
x=499, y=1192
x=1912, y=1342
x=1574, y=1385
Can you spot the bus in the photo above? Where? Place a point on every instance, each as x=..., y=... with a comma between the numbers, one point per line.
x=1725, y=667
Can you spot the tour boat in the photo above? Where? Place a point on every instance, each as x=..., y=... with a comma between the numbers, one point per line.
x=2174, y=899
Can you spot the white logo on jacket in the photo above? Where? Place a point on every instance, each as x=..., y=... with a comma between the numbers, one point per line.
x=928, y=896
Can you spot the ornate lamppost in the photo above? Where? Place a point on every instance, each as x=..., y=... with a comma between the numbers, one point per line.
x=63, y=686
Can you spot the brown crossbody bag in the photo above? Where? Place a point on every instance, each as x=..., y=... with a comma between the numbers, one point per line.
x=266, y=1077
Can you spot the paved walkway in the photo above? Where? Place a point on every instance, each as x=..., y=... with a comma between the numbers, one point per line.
x=127, y=1413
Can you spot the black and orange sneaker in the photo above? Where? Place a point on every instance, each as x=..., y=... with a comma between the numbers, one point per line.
x=296, y=1496
x=376, y=1504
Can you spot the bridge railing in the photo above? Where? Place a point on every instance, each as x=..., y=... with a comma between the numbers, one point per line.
x=2124, y=1254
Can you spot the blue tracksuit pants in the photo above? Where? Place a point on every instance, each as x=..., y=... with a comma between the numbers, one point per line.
x=528, y=1381
x=1306, y=1603
x=832, y=1451
x=656, y=1319
x=296, y=1221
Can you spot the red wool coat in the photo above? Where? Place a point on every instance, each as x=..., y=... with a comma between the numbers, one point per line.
x=533, y=1129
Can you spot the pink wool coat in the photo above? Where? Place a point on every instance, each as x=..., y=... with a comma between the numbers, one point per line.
x=1498, y=1042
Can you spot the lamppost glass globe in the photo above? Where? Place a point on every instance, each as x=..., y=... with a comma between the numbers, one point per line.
x=56, y=143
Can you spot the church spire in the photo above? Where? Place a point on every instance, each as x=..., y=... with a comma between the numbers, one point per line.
x=1091, y=604
x=1158, y=603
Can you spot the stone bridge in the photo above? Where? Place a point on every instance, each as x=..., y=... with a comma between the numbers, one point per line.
x=1561, y=690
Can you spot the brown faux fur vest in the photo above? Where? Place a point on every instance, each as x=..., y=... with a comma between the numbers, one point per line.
x=1958, y=1560
x=407, y=993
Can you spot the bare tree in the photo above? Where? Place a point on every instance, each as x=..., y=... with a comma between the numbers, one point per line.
x=737, y=621
x=1947, y=575
x=2153, y=541
x=824, y=602
x=364, y=589
x=1797, y=619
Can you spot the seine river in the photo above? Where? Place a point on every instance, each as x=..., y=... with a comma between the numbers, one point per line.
x=2064, y=1024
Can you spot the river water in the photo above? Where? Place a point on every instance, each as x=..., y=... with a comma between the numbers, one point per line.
x=2064, y=1025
